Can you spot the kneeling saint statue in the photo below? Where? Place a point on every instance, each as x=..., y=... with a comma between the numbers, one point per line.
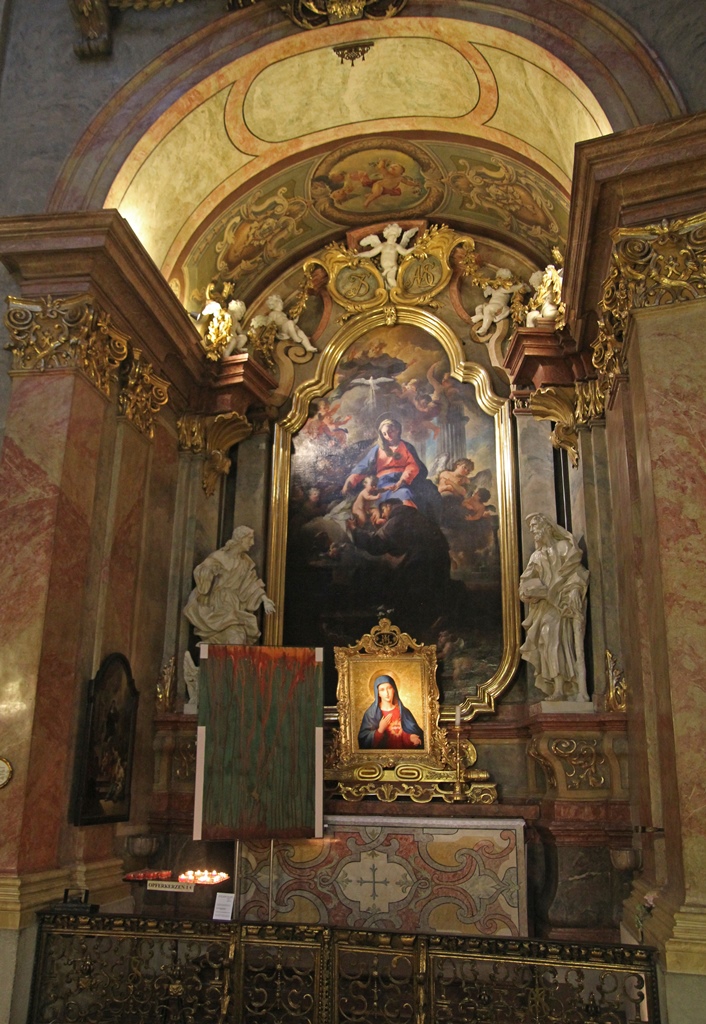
x=228, y=592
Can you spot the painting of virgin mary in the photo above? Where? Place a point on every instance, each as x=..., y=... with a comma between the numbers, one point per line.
x=388, y=724
x=394, y=504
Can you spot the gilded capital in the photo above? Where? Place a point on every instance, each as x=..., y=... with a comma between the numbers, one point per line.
x=142, y=393
x=65, y=333
x=656, y=265
x=213, y=436
x=568, y=409
x=558, y=405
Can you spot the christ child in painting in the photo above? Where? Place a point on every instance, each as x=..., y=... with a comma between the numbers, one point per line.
x=365, y=505
x=388, y=724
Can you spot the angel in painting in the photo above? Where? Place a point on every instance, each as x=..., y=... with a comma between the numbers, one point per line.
x=389, y=250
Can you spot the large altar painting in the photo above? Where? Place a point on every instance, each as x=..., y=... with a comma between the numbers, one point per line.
x=395, y=507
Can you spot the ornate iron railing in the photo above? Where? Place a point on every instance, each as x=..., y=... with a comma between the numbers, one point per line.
x=130, y=970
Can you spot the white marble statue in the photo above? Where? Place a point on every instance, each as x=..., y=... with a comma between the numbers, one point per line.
x=554, y=588
x=389, y=250
x=545, y=304
x=286, y=327
x=225, y=333
x=191, y=678
x=227, y=594
x=238, y=338
x=497, y=308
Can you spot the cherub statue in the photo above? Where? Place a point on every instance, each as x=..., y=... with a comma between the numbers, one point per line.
x=191, y=678
x=497, y=308
x=224, y=335
x=389, y=251
x=285, y=326
x=546, y=302
x=238, y=338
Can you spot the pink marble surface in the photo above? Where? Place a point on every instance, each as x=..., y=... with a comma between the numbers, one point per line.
x=50, y=450
x=125, y=551
x=153, y=604
x=645, y=780
x=670, y=401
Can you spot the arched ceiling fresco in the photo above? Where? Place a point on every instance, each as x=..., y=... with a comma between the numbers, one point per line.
x=365, y=181
x=284, y=148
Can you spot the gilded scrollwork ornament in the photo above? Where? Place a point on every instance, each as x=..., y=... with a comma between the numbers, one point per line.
x=92, y=19
x=191, y=433
x=280, y=325
x=142, y=393
x=546, y=304
x=223, y=334
x=581, y=761
x=544, y=763
x=65, y=333
x=222, y=434
x=589, y=401
x=617, y=699
x=407, y=275
x=656, y=265
x=317, y=13
x=213, y=436
x=557, y=405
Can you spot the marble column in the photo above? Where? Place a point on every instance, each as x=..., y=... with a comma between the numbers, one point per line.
x=668, y=390
x=47, y=493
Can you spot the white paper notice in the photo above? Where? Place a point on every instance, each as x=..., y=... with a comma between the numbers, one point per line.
x=223, y=910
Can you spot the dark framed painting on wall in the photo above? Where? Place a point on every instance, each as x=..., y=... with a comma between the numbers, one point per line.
x=397, y=464
x=106, y=744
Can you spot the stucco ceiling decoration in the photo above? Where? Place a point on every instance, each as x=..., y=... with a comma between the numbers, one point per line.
x=365, y=181
x=277, y=103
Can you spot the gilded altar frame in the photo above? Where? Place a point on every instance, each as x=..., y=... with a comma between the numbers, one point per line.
x=440, y=766
x=499, y=408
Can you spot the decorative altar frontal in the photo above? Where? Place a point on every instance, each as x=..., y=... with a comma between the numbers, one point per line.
x=418, y=875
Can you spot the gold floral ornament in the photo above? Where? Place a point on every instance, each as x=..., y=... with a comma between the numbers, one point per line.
x=582, y=762
x=546, y=304
x=316, y=13
x=49, y=334
x=223, y=335
x=617, y=687
x=213, y=436
x=656, y=265
x=142, y=394
x=557, y=404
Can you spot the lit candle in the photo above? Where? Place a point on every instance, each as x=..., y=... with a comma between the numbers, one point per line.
x=458, y=716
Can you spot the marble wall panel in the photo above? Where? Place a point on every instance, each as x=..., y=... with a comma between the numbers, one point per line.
x=536, y=467
x=126, y=533
x=152, y=603
x=45, y=515
x=670, y=403
x=426, y=875
x=644, y=750
x=602, y=592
